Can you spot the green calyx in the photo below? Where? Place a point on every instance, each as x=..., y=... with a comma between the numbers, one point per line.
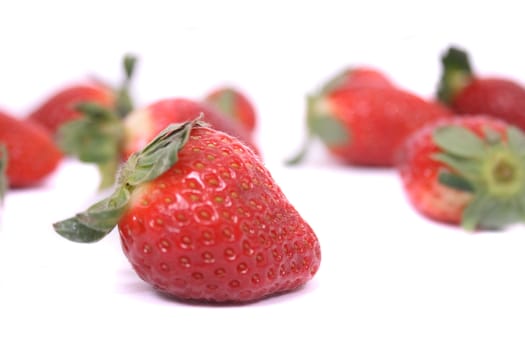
x=96, y=138
x=3, y=172
x=456, y=74
x=155, y=159
x=124, y=102
x=490, y=168
x=321, y=123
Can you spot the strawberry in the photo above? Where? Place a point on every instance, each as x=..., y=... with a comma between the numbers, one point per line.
x=235, y=104
x=104, y=139
x=468, y=170
x=366, y=126
x=29, y=154
x=143, y=124
x=59, y=107
x=200, y=217
x=467, y=93
x=356, y=77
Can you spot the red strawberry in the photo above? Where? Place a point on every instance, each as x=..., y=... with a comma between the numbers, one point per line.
x=235, y=104
x=29, y=155
x=104, y=139
x=367, y=126
x=60, y=107
x=468, y=170
x=357, y=77
x=200, y=217
x=143, y=124
x=467, y=93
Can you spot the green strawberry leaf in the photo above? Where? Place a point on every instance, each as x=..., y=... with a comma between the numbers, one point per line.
x=159, y=155
x=96, y=222
x=475, y=211
x=516, y=140
x=469, y=169
x=321, y=124
x=454, y=181
x=156, y=158
x=491, y=168
x=492, y=137
x=226, y=102
x=94, y=138
x=124, y=102
x=73, y=230
x=330, y=130
x=457, y=73
x=459, y=141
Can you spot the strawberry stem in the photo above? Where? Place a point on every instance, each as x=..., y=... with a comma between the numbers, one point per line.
x=303, y=151
x=124, y=103
x=457, y=73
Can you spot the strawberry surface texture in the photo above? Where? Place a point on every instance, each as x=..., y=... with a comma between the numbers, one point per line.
x=201, y=218
x=469, y=170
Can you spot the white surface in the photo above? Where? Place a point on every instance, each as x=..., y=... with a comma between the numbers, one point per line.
x=388, y=279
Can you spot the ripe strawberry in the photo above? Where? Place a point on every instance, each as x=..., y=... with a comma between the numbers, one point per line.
x=367, y=126
x=467, y=93
x=235, y=104
x=468, y=171
x=200, y=217
x=143, y=124
x=357, y=77
x=29, y=155
x=105, y=139
x=60, y=107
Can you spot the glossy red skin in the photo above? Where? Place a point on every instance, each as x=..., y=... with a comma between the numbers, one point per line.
x=217, y=227
x=242, y=109
x=419, y=172
x=501, y=98
x=143, y=125
x=32, y=154
x=378, y=122
x=60, y=107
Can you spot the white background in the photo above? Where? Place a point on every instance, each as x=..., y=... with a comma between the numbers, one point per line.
x=389, y=278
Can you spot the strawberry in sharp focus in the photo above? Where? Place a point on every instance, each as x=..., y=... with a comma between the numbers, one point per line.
x=468, y=171
x=29, y=153
x=105, y=139
x=60, y=107
x=366, y=126
x=200, y=217
x=235, y=104
x=467, y=93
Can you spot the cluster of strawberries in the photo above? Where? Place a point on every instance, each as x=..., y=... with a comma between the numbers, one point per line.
x=99, y=124
x=461, y=157
x=199, y=215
